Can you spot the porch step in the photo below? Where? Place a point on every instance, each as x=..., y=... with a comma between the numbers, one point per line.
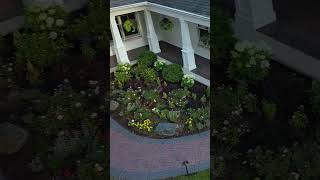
x=11, y=25
x=292, y=57
x=283, y=53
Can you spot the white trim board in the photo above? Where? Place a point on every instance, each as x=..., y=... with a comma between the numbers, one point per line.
x=293, y=57
x=176, y=13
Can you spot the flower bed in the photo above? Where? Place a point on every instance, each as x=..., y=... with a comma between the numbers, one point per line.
x=158, y=100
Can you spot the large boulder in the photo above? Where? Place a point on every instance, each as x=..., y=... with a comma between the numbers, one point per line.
x=12, y=138
x=166, y=129
x=113, y=105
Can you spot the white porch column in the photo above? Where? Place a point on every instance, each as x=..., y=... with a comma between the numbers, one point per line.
x=255, y=13
x=151, y=33
x=189, y=62
x=119, y=48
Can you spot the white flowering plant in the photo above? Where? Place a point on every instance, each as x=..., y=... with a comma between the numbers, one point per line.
x=122, y=74
x=47, y=19
x=159, y=64
x=187, y=81
x=250, y=61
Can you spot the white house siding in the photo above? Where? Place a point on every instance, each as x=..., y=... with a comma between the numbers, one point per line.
x=173, y=37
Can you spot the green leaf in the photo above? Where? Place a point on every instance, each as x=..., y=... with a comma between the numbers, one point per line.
x=129, y=25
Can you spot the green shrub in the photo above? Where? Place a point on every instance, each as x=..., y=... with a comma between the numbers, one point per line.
x=226, y=100
x=88, y=52
x=250, y=102
x=63, y=110
x=249, y=62
x=269, y=109
x=142, y=114
x=172, y=73
x=37, y=51
x=147, y=59
x=299, y=119
x=315, y=97
x=151, y=95
x=200, y=117
x=178, y=98
x=149, y=75
x=222, y=39
x=129, y=96
x=93, y=26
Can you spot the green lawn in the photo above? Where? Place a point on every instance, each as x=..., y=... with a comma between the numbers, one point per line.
x=203, y=175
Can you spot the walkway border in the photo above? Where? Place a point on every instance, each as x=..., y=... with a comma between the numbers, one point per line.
x=122, y=174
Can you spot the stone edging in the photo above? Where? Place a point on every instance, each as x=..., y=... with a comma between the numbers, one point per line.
x=158, y=174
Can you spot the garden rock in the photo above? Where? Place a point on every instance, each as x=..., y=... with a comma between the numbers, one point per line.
x=12, y=138
x=166, y=129
x=113, y=105
x=116, y=91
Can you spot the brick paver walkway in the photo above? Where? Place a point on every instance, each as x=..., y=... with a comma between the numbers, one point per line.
x=134, y=157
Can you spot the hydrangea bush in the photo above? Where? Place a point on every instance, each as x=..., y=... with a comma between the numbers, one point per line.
x=250, y=62
x=187, y=81
x=158, y=65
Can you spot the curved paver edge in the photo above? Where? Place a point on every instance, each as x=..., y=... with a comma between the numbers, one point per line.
x=120, y=173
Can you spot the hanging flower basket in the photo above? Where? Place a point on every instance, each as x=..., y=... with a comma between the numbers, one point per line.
x=166, y=24
x=130, y=25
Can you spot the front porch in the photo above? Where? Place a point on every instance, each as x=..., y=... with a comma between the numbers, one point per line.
x=184, y=45
x=290, y=31
x=171, y=53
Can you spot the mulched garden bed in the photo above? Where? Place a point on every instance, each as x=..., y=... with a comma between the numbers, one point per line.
x=196, y=98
